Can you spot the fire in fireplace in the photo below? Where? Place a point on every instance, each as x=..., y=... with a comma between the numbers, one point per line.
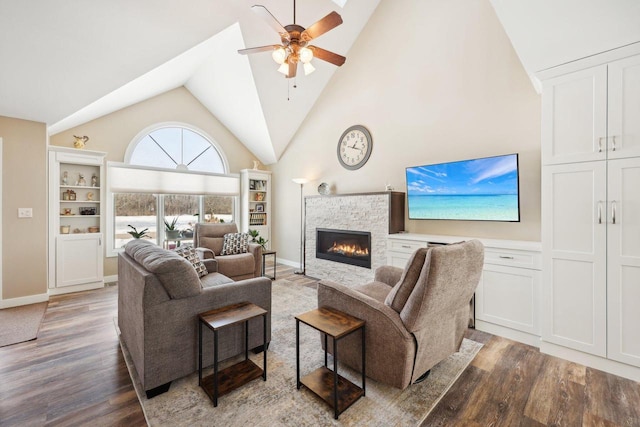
x=348, y=247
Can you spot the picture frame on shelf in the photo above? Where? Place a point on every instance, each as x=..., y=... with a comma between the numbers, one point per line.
x=87, y=211
x=259, y=207
x=252, y=184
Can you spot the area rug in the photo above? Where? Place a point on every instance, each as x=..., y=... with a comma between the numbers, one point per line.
x=19, y=324
x=277, y=402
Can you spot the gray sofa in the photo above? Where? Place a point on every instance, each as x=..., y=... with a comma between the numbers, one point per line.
x=159, y=298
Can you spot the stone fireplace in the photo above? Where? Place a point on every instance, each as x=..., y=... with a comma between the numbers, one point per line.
x=373, y=215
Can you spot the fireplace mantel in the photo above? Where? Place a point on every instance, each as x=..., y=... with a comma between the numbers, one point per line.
x=379, y=213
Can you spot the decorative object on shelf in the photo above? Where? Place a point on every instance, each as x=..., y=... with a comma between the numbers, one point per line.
x=301, y=182
x=259, y=197
x=80, y=141
x=90, y=196
x=255, y=165
x=81, y=181
x=295, y=40
x=94, y=180
x=354, y=147
x=260, y=185
x=67, y=211
x=137, y=234
x=87, y=211
x=388, y=187
x=259, y=207
x=77, y=231
x=65, y=178
x=323, y=189
x=72, y=195
x=171, y=229
x=93, y=229
x=65, y=229
x=65, y=195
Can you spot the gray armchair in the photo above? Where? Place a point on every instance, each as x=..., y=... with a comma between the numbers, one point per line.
x=208, y=239
x=414, y=318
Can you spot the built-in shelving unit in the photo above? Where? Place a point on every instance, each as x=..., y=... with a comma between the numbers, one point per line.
x=256, y=201
x=75, y=220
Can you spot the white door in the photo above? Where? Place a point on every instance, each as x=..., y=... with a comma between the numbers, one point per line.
x=79, y=259
x=623, y=270
x=574, y=117
x=574, y=256
x=624, y=108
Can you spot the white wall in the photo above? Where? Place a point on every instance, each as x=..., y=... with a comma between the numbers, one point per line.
x=433, y=81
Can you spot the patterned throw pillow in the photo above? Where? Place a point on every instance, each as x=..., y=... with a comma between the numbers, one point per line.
x=235, y=243
x=190, y=254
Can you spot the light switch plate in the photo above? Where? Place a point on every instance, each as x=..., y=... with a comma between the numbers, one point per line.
x=25, y=213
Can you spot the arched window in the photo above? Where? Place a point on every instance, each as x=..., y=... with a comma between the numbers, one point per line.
x=137, y=206
x=176, y=146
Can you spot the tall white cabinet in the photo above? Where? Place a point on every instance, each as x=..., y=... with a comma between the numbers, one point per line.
x=76, y=199
x=591, y=215
x=255, y=202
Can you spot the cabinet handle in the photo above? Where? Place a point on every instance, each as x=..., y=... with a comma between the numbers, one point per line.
x=600, y=144
x=599, y=211
x=100, y=241
x=405, y=246
x=506, y=257
x=613, y=212
x=613, y=147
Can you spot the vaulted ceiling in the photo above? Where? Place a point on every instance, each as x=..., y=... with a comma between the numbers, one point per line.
x=65, y=62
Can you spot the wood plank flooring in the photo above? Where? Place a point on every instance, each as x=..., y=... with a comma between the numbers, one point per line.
x=74, y=374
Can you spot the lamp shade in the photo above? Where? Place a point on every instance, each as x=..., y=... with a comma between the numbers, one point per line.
x=305, y=54
x=279, y=55
x=308, y=68
x=300, y=181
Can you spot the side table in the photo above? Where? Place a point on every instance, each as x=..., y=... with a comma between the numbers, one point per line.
x=265, y=253
x=241, y=373
x=335, y=324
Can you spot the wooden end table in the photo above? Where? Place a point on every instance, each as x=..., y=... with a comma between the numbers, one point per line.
x=232, y=377
x=265, y=253
x=335, y=324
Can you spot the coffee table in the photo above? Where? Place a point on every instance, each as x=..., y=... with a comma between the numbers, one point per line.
x=337, y=325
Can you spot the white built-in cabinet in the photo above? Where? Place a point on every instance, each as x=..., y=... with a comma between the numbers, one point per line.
x=591, y=214
x=76, y=200
x=255, y=202
x=507, y=299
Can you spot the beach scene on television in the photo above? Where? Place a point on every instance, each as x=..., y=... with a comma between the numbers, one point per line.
x=480, y=189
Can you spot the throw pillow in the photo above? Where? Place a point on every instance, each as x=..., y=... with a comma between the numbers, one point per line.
x=235, y=243
x=190, y=254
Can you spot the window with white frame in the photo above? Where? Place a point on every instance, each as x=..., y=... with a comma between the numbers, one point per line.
x=173, y=175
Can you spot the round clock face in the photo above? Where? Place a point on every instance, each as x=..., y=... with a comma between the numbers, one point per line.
x=354, y=147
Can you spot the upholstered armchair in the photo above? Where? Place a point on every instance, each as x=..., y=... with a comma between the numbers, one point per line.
x=208, y=238
x=414, y=318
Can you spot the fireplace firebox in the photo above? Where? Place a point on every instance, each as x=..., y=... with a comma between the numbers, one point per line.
x=345, y=246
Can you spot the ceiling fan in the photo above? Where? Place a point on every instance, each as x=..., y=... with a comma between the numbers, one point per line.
x=295, y=42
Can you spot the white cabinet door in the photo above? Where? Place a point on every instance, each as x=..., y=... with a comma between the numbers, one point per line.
x=624, y=108
x=574, y=256
x=624, y=261
x=574, y=117
x=79, y=259
x=509, y=296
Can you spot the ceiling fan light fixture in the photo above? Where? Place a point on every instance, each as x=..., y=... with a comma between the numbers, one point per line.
x=308, y=68
x=306, y=55
x=284, y=69
x=279, y=55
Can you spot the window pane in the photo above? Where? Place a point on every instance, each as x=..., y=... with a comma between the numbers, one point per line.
x=218, y=208
x=138, y=210
x=183, y=209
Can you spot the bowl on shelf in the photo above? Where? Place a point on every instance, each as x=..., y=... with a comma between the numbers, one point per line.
x=93, y=229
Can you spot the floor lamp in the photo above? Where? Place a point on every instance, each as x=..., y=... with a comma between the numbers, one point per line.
x=302, y=182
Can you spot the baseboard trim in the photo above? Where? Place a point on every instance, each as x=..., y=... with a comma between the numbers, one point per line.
x=76, y=288
x=512, y=334
x=110, y=279
x=289, y=263
x=16, y=302
x=597, y=362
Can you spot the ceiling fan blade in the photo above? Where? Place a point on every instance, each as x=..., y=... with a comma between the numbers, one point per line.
x=328, y=56
x=293, y=69
x=250, y=50
x=327, y=23
x=270, y=20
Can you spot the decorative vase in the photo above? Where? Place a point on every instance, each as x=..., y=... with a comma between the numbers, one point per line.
x=172, y=234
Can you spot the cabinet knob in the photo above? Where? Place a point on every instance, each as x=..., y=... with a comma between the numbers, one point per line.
x=506, y=257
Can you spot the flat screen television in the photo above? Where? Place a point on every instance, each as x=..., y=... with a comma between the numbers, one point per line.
x=484, y=189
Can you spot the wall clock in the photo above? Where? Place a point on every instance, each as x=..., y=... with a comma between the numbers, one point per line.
x=354, y=147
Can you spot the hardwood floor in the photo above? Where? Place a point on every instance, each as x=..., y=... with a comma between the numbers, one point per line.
x=74, y=374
